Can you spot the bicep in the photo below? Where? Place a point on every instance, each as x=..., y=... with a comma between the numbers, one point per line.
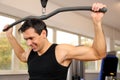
x=82, y=53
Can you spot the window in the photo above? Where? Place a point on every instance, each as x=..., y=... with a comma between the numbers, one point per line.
x=117, y=48
x=65, y=37
x=6, y=50
x=50, y=34
x=9, y=63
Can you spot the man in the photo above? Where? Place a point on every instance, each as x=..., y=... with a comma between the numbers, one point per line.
x=47, y=61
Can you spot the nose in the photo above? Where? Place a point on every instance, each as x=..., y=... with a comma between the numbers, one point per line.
x=29, y=42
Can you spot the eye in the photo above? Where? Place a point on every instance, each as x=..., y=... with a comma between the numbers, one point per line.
x=25, y=39
x=30, y=38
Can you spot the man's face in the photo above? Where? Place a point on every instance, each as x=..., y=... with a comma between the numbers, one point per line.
x=33, y=39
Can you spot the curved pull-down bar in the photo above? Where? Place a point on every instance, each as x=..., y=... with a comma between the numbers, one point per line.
x=43, y=17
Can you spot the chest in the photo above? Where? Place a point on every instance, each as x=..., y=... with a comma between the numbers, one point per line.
x=44, y=63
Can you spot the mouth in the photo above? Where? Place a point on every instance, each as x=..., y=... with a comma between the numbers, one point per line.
x=34, y=48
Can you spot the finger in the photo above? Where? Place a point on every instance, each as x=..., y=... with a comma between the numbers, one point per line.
x=100, y=6
x=6, y=26
x=94, y=8
x=97, y=6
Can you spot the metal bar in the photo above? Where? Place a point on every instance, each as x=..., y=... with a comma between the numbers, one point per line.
x=43, y=17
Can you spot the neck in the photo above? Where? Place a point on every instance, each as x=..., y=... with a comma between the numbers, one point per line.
x=45, y=48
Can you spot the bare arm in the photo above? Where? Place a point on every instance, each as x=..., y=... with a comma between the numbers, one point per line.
x=19, y=51
x=99, y=43
x=98, y=49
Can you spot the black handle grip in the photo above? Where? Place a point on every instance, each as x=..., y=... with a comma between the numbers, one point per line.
x=103, y=10
x=43, y=17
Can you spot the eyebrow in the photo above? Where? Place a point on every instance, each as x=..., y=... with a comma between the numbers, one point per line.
x=28, y=38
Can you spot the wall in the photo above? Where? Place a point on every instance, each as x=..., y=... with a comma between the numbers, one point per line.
x=14, y=77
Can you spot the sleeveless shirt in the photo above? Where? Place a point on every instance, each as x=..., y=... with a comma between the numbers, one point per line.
x=46, y=67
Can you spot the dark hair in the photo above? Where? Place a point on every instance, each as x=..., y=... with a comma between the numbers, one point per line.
x=37, y=24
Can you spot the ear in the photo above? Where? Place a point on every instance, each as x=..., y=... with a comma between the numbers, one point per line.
x=43, y=33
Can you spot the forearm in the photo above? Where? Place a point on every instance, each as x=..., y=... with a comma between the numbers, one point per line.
x=16, y=46
x=99, y=43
